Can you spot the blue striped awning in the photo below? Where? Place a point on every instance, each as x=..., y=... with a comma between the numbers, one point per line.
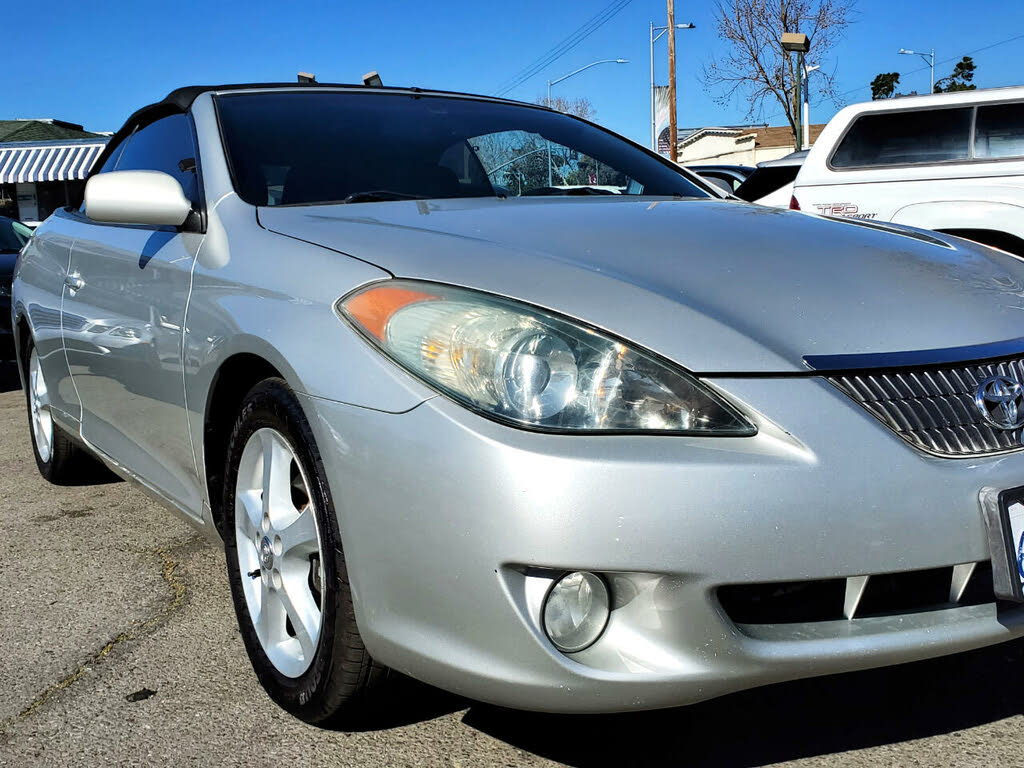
x=28, y=161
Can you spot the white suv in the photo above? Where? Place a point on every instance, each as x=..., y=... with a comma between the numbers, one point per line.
x=949, y=162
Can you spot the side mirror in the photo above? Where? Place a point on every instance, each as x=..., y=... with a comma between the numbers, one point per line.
x=152, y=198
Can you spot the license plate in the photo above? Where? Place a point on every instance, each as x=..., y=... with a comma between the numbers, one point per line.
x=1004, y=515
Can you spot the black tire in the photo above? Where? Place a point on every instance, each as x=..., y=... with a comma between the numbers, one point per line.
x=68, y=462
x=337, y=686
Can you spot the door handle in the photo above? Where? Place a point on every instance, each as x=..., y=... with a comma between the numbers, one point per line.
x=74, y=282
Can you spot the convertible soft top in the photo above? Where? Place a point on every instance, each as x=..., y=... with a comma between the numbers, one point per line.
x=181, y=100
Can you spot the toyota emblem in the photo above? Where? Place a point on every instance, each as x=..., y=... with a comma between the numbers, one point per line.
x=1001, y=402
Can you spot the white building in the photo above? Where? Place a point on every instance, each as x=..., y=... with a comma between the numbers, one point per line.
x=737, y=145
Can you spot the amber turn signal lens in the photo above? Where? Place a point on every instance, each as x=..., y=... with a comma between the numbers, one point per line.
x=373, y=308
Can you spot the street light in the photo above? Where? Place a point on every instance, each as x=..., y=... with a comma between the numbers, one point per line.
x=799, y=43
x=929, y=59
x=655, y=38
x=557, y=80
x=806, y=144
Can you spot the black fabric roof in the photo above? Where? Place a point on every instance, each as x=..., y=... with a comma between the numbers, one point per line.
x=181, y=99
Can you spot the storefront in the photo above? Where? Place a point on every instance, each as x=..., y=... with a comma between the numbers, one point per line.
x=37, y=177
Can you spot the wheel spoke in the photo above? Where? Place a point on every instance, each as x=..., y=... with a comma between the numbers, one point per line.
x=251, y=512
x=268, y=624
x=299, y=538
x=277, y=461
x=298, y=603
x=42, y=394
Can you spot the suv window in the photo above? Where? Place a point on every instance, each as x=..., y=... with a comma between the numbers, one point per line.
x=999, y=131
x=165, y=145
x=904, y=138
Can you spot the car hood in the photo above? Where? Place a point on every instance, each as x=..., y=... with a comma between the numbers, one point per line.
x=717, y=286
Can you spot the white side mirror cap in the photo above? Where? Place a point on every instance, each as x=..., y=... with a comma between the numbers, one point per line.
x=151, y=198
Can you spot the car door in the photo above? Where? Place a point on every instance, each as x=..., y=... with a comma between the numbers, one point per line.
x=128, y=287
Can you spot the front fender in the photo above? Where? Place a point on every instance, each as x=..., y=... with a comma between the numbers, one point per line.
x=259, y=293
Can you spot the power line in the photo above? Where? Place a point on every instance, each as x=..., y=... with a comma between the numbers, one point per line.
x=601, y=18
x=943, y=61
x=564, y=46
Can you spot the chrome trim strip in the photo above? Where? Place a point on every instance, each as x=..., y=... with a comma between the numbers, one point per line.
x=973, y=353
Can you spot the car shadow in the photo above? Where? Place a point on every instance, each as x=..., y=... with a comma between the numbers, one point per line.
x=9, y=379
x=401, y=701
x=786, y=721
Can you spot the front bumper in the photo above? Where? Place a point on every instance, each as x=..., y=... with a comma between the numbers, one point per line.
x=453, y=525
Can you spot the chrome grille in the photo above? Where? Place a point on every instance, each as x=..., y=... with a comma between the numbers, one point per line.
x=933, y=409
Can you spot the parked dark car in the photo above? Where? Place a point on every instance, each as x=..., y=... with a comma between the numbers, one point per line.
x=13, y=235
x=771, y=183
x=726, y=177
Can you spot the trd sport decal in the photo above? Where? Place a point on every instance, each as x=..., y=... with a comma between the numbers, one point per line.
x=849, y=210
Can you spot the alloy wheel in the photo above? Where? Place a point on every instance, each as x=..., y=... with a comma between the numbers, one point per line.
x=279, y=551
x=39, y=403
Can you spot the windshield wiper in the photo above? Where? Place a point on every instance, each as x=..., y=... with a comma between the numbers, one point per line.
x=380, y=195
x=558, y=191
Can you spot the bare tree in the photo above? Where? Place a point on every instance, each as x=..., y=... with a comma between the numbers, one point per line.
x=580, y=107
x=755, y=65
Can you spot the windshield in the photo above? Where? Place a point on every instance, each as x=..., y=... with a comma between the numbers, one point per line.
x=294, y=148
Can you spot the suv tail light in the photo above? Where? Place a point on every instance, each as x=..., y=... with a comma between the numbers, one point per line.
x=793, y=204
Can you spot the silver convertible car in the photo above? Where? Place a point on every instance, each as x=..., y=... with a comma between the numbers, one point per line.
x=490, y=396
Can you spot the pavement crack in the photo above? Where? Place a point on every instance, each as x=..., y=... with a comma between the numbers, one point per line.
x=168, y=567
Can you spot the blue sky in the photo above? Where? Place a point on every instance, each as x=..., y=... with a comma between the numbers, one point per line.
x=95, y=62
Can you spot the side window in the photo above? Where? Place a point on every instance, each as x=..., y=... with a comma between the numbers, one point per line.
x=77, y=193
x=522, y=162
x=722, y=180
x=461, y=160
x=999, y=131
x=904, y=138
x=165, y=145
x=111, y=162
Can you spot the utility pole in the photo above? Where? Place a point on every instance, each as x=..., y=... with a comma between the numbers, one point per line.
x=672, y=127
x=806, y=122
x=798, y=106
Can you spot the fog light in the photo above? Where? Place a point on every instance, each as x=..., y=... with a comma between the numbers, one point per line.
x=576, y=611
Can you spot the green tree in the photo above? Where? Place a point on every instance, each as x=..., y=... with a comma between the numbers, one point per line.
x=961, y=78
x=884, y=85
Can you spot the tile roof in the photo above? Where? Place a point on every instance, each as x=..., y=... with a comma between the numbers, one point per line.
x=782, y=135
x=42, y=130
x=764, y=135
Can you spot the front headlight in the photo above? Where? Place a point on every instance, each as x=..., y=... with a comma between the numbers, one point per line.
x=530, y=368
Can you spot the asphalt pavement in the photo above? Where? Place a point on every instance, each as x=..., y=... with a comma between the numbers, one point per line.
x=118, y=646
